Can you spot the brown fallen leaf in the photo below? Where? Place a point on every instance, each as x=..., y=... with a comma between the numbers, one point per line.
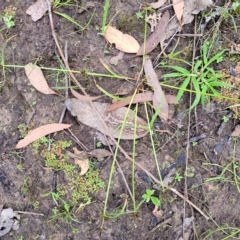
x=39, y=132
x=154, y=39
x=178, y=9
x=157, y=4
x=37, y=79
x=123, y=42
x=236, y=132
x=38, y=9
x=100, y=153
x=114, y=120
x=190, y=7
x=114, y=60
x=87, y=5
x=159, y=100
x=83, y=97
x=139, y=98
x=82, y=163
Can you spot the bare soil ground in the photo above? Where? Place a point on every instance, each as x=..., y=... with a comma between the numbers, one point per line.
x=25, y=179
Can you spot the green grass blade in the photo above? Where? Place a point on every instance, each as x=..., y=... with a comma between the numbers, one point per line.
x=182, y=88
x=179, y=69
x=198, y=93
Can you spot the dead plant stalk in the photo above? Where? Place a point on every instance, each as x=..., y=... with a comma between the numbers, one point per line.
x=121, y=149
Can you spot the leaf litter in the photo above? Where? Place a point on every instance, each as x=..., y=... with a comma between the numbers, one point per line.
x=39, y=132
x=138, y=98
x=8, y=220
x=159, y=99
x=123, y=42
x=37, y=79
x=83, y=163
x=155, y=38
x=178, y=9
x=37, y=10
x=114, y=120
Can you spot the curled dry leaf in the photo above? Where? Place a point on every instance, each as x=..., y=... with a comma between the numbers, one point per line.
x=123, y=42
x=39, y=132
x=154, y=39
x=36, y=78
x=114, y=120
x=178, y=8
x=157, y=4
x=37, y=10
x=159, y=99
x=82, y=163
x=8, y=220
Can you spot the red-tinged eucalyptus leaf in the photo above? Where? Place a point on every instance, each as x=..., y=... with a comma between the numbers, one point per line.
x=123, y=42
x=39, y=132
x=159, y=100
x=37, y=79
x=155, y=38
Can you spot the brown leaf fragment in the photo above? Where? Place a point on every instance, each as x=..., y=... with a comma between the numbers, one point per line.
x=100, y=153
x=178, y=8
x=157, y=4
x=154, y=39
x=39, y=132
x=82, y=163
x=105, y=140
x=159, y=99
x=87, y=6
x=114, y=60
x=236, y=132
x=38, y=9
x=114, y=120
x=123, y=42
x=37, y=79
x=83, y=97
x=139, y=98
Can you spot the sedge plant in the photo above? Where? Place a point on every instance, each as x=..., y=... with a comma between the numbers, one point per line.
x=202, y=76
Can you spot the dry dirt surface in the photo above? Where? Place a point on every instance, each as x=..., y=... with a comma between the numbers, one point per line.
x=204, y=162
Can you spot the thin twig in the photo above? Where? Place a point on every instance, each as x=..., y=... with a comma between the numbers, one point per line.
x=30, y=213
x=108, y=132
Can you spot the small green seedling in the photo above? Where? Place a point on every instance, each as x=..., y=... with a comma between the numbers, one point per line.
x=178, y=177
x=235, y=5
x=225, y=119
x=148, y=196
x=139, y=15
x=8, y=18
x=194, y=144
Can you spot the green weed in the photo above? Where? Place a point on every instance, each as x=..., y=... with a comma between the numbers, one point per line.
x=202, y=77
x=148, y=197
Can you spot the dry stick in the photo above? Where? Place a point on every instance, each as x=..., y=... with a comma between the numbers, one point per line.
x=188, y=137
x=30, y=213
x=110, y=135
